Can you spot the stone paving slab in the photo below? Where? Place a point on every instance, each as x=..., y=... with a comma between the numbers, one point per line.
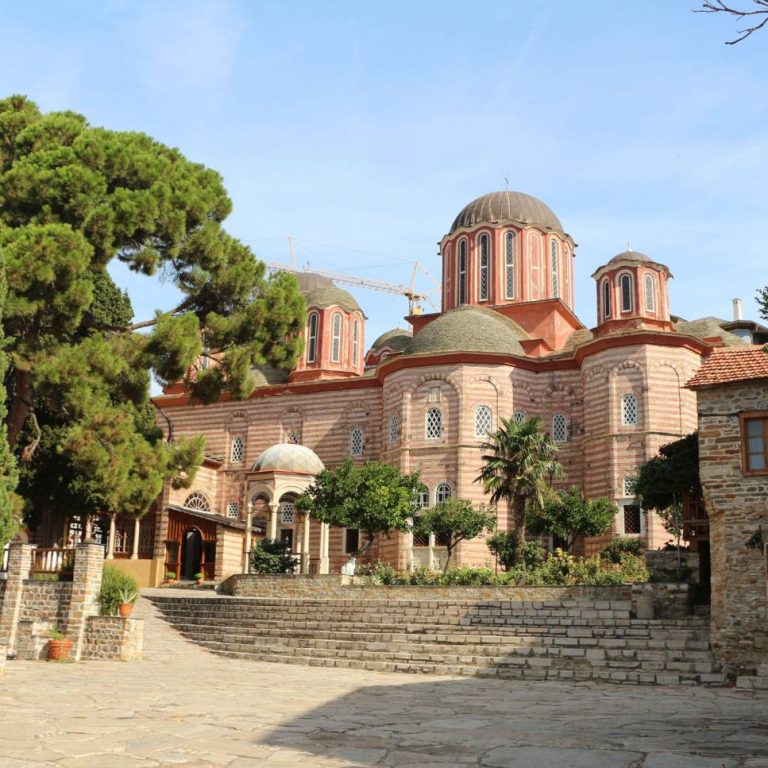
x=183, y=706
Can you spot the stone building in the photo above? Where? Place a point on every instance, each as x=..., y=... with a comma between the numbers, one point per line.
x=507, y=343
x=732, y=388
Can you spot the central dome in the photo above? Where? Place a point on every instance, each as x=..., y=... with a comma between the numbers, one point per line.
x=288, y=457
x=507, y=206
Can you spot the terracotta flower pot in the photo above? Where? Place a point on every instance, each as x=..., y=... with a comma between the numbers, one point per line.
x=59, y=650
x=125, y=609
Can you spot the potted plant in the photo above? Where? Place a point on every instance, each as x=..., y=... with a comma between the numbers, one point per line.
x=199, y=577
x=170, y=578
x=59, y=648
x=127, y=597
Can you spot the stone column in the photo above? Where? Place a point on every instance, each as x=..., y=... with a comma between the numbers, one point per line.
x=305, y=544
x=136, y=532
x=325, y=562
x=272, y=533
x=111, y=541
x=431, y=551
x=19, y=567
x=247, y=537
x=86, y=583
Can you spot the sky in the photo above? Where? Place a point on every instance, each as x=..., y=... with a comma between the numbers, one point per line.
x=361, y=129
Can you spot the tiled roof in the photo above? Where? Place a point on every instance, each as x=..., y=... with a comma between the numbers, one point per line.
x=731, y=364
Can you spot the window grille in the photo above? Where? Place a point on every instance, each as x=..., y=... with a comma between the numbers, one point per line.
x=237, y=450
x=484, y=265
x=650, y=294
x=442, y=492
x=434, y=424
x=461, y=298
x=233, y=510
x=559, y=428
x=509, y=276
x=629, y=410
x=625, y=283
x=293, y=437
x=627, y=490
x=606, y=298
x=198, y=501
x=420, y=539
x=393, y=429
x=483, y=421
x=356, y=442
x=519, y=417
x=287, y=512
x=555, y=271
x=336, y=338
x=632, y=519
x=312, y=338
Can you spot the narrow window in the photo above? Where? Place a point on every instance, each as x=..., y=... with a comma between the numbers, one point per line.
x=393, y=429
x=625, y=283
x=237, y=450
x=627, y=486
x=756, y=445
x=442, y=492
x=606, y=298
x=559, y=428
x=509, y=268
x=312, y=337
x=287, y=512
x=356, y=442
x=629, y=410
x=519, y=417
x=351, y=540
x=434, y=424
x=633, y=519
x=336, y=338
x=650, y=294
x=355, y=341
x=484, y=267
x=483, y=421
x=555, y=269
x=233, y=510
x=423, y=498
x=461, y=297
x=567, y=266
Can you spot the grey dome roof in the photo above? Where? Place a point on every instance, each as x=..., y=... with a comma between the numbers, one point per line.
x=397, y=339
x=268, y=375
x=321, y=292
x=630, y=256
x=470, y=329
x=288, y=457
x=507, y=206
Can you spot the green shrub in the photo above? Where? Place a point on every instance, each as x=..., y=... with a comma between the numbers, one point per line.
x=379, y=573
x=114, y=586
x=633, y=568
x=272, y=556
x=45, y=577
x=506, y=546
x=170, y=576
x=614, y=549
x=422, y=576
x=469, y=577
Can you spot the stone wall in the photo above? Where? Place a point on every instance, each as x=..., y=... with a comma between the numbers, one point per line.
x=662, y=565
x=737, y=508
x=46, y=601
x=113, y=637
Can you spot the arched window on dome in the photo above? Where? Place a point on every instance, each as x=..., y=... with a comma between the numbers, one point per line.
x=355, y=342
x=554, y=269
x=483, y=421
x=629, y=410
x=560, y=428
x=625, y=286
x=606, y=298
x=312, y=322
x=567, y=275
x=509, y=265
x=650, y=294
x=356, y=442
x=336, y=338
x=434, y=424
x=484, y=260
x=461, y=274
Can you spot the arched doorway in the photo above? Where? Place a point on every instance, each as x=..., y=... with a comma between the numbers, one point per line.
x=192, y=553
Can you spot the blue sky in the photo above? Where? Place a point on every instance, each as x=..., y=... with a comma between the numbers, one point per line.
x=367, y=126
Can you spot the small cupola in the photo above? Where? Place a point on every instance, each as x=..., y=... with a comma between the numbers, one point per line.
x=632, y=294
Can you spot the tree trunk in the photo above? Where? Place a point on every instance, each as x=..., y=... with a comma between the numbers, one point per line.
x=520, y=517
x=19, y=406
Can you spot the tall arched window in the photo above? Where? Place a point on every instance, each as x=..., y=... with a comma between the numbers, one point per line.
x=483, y=421
x=554, y=269
x=560, y=428
x=312, y=337
x=355, y=342
x=567, y=269
x=483, y=267
x=650, y=294
x=442, y=492
x=625, y=284
x=356, y=442
x=237, y=450
x=336, y=338
x=461, y=271
x=509, y=265
x=629, y=410
x=434, y=424
x=393, y=425
x=606, y=298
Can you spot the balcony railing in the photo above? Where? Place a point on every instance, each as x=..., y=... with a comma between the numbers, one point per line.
x=52, y=560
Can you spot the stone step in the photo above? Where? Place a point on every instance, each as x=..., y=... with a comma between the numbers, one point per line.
x=752, y=682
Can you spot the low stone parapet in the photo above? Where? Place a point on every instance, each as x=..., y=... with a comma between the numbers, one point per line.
x=113, y=637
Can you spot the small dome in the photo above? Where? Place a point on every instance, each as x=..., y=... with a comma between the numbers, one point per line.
x=287, y=457
x=470, y=329
x=398, y=340
x=268, y=375
x=507, y=206
x=630, y=256
x=321, y=292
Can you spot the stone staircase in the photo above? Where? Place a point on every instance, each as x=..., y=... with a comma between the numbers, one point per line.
x=557, y=640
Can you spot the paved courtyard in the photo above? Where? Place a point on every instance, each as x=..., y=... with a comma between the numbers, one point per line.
x=183, y=706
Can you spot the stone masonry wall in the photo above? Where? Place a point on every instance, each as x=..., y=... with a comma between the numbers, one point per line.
x=113, y=637
x=46, y=601
x=737, y=508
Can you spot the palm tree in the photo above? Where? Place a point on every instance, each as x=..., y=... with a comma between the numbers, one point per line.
x=520, y=463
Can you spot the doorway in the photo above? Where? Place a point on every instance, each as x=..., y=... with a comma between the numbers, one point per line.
x=192, y=552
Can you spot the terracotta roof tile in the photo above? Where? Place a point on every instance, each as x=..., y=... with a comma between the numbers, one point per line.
x=725, y=365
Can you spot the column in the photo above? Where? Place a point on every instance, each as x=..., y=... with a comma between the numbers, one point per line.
x=19, y=567
x=247, y=537
x=305, y=544
x=409, y=546
x=88, y=528
x=325, y=563
x=111, y=543
x=272, y=532
x=86, y=584
x=136, y=532
x=431, y=551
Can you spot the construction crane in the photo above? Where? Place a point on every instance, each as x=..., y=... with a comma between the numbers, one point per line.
x=414, y=298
